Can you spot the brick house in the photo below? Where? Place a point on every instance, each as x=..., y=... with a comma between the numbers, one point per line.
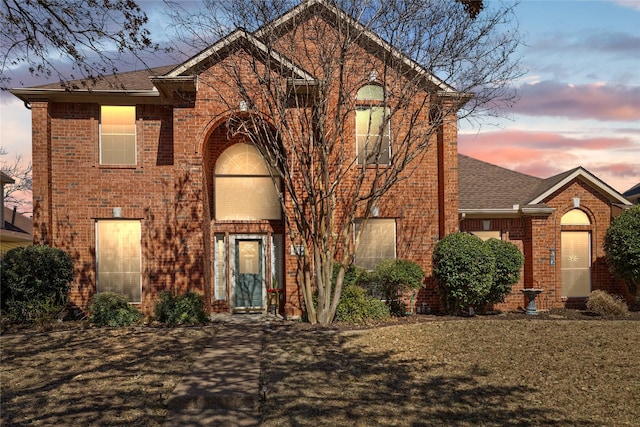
x=142, y=182
x=558, y=223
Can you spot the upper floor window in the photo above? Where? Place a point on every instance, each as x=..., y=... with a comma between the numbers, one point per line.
x=117, y=135
x=244, y=188
x=372, y=126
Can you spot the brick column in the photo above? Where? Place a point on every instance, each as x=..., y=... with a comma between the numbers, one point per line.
x=41, y=174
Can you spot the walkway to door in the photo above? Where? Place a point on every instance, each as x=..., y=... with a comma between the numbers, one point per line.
x=223, y=386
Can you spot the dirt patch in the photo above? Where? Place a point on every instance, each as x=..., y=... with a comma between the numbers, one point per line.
x=94, y=376
x=445, y=371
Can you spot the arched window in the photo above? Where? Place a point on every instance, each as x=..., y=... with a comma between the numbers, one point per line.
x=244, y=189
x=575, y=217
x=372, y=126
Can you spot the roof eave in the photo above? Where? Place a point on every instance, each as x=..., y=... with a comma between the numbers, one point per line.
x=397, y=54
x=489, y=213
x=84, y=95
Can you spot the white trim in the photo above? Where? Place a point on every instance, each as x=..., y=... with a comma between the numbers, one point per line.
x=237, y=35
x=445, y=88
x=590, y=179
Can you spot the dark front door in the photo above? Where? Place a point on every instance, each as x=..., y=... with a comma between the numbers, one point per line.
x=248, y=273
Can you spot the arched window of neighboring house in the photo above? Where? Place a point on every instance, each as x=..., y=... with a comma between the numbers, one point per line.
x=575, y=217
x=372, y=126
x=243, y=187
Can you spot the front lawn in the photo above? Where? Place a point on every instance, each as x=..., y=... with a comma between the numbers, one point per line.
x=469, y=372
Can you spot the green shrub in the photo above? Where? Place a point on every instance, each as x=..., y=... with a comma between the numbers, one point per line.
x=35, y=283
x=622, y=246
x=392, y=279
x=509, y=261
x=183, y=309
x=464, y=268
x=605, y=304
x=352, y=276
x=109, y=309
x=356, y=306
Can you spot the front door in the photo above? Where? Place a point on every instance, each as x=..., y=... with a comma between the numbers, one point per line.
x=249, y=272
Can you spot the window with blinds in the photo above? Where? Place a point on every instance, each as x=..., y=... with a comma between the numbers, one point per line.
x=576, y=263
x=118, y=256
x=117, y=135
x=372, y=126
x=377, y=242
x=244, y=189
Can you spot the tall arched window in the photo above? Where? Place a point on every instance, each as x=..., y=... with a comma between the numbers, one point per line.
x=244, y=189
x=372, y=126
x=575, y=247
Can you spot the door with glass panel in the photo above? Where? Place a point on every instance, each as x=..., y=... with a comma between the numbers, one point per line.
x=248, y=273
x=576, y=263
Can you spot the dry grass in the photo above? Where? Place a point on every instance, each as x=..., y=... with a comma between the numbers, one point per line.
x=95, y=376
x=436, y=371
x=470, y=372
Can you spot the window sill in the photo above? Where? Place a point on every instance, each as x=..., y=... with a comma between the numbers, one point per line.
x=125, y=167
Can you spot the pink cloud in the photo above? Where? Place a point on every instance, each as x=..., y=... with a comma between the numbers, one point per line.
x=544, y=154
x=592, y=101
x=539, y=141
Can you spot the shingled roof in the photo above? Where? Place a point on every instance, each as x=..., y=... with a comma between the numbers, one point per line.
x=487, y=188
x=132, y=80
x=484, y=186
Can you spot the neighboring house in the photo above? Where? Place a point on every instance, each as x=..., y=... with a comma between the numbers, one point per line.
x=633, y=194
x=15, y=228
x=148, y=190
x=16, y=231
x=559, y=224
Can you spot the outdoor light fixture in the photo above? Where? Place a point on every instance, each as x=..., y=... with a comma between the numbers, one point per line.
x=373, y=75
x=375, y=211
x=486, y=225
x=117, y=212
x=576, y=202
x=243, y=105
x=552, y=256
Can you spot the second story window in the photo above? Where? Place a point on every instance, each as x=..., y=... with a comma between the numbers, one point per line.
x=244, y=189
x=372, y=126
x=117, y=135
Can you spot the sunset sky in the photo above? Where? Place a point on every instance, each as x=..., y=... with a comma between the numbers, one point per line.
x=579, y=101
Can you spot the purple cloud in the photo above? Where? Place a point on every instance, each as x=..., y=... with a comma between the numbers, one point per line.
x=591, y=101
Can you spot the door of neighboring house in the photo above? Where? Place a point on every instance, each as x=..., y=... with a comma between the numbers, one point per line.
x=249, y=276
x=576, y=263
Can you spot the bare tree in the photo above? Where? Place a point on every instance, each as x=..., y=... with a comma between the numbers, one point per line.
x=90, y=35
x=300, y=85
x=17, y=194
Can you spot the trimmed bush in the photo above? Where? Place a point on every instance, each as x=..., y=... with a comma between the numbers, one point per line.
x=622, y=246
x=357, y=307
x=464, y=268
x=183, y=309
x=35, y=283
x=605, y=304
x=109, y=309
x=394, y=278
x=509, y=261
